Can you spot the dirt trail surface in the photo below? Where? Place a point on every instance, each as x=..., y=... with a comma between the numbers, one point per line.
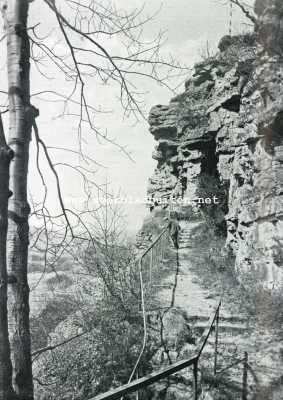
x=184, y=293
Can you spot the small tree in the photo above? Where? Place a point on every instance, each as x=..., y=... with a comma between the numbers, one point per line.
x=89, y=22
x=107, y=313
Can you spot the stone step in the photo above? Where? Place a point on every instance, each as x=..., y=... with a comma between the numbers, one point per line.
x=227, y=340
x=194, y=318
x=233, y=318
x=226, y=318
x=224, y=359
x=224, y=328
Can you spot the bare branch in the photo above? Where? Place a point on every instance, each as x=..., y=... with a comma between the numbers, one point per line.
x=38, y=352
x=60, y=197
x=245, y=10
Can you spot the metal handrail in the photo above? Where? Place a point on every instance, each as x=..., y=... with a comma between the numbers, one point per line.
x=141, y=383
x=214, y=320
x=148, y=380
x=154, y=242
x=209, y=329
x=140, y=264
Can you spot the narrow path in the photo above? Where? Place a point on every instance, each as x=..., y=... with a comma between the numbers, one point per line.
x=237, y=334
x=190, y=295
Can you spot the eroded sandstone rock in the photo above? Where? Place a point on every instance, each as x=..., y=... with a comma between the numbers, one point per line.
x=228, y=124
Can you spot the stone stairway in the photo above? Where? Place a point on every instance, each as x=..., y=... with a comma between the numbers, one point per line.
x=185, y=304
x=237, y=334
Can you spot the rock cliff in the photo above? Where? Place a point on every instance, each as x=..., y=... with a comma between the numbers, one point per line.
x=224, y=135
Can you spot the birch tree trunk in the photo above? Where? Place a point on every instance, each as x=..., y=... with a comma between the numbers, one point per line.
x=6, y=388
x=15, y=13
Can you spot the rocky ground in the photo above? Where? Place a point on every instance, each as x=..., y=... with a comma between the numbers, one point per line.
x=189, y=302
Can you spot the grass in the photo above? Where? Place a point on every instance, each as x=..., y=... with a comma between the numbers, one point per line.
x=214, y=266
x=265, y=306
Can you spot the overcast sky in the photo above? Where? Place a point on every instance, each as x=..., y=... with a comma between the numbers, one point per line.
x=188, y=26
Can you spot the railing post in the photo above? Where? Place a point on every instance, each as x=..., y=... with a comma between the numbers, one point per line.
x=162, y=248
x=216, y=342
x=196, y=379
x=150, y=266
x=137, y=392
x=245, y=377
x=140, y=271
x=159, y=252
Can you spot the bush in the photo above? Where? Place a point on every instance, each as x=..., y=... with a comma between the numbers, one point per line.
x=265, y=306
x=109, y=314
x=231, y=48
x=103, y=358
x=56, y=311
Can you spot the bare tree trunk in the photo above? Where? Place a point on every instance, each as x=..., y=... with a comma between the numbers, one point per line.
x=6, y=388
x=15, y=13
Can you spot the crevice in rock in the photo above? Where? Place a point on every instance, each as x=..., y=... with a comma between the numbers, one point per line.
x=210, y=185
x=272, y=134
x=233, y=104
x=210, y=160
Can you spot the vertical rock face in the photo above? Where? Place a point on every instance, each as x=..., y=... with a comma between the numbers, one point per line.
x=268, y=174
x=228, y=128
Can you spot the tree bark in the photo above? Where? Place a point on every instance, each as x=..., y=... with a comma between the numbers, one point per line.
x=15, y=13
x=6, y=388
